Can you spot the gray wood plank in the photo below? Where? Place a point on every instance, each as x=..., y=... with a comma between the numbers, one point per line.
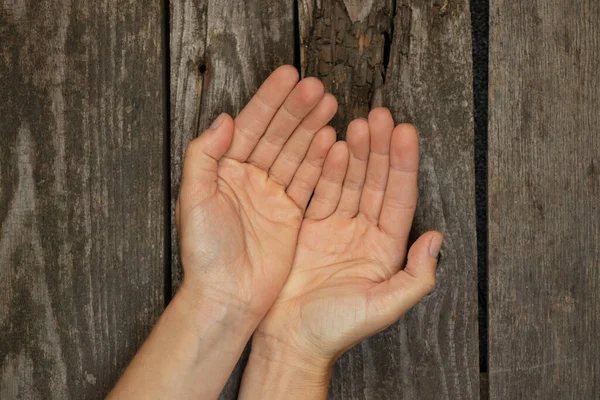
x=416, y=60
x=544, y=185
x=221, y=52
x=82, y=218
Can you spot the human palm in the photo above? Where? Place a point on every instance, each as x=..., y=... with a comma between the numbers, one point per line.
x=346, y=281
x=248, y=232
x=244, y=190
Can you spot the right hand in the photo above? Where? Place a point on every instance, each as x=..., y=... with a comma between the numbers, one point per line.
x=346, y=282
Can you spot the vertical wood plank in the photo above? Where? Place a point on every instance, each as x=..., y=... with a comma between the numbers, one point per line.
x=416, y=60
x=544, y=185
x=221, y=51
x=81, y=193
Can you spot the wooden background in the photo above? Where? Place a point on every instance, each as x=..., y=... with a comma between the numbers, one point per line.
x=99, y=99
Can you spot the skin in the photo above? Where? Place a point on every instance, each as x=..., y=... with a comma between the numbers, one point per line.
x=320, y=278
x=245, y=187
x=346, y=281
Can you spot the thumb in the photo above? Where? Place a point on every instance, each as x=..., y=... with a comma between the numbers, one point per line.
x=407, y=287
x=203, y=154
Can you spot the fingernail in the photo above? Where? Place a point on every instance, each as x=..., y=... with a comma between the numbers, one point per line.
x=436, y=245
x=217, y=122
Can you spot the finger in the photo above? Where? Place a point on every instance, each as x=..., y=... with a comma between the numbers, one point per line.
x=400, y=200
x=392, y=298
x=329, y=188
x=303, y=98
x=253, y=120
x=287, y=162
x=381, y=125
x=202, y=157
x=358, y=145
x=306, y=178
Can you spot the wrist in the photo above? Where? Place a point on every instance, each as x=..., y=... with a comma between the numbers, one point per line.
x=219, y=328
x=273, y=349
x=217, y=309
x=278, y=370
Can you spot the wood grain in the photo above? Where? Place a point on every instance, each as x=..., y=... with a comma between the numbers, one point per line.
x=220, y=54
x=81, y=194
x=544, y=185
x=416, y=60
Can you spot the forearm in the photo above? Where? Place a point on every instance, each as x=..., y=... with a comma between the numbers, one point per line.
x=276, y=372
x=190, y=352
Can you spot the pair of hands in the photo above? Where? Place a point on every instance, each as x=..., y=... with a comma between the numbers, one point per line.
x=314, y=275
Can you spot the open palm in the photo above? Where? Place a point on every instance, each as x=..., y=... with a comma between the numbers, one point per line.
x=245, y=188
x=346, y=281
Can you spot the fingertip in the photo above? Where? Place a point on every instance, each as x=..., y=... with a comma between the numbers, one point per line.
x=311, y=87
x=214, y=141
x=380, y=114
x=435, y=244
x=381, y=125
x=288, y=73
x=423, y=258
x=324, y=111
x=406, y=129
x=405, y=148
x=223, y=122
x=275, y=89
x=331, y=102
x=325, y=139
x=357, y=136
x=338, y=155
x=219, y=136
x=428, y=244
x=336, y=162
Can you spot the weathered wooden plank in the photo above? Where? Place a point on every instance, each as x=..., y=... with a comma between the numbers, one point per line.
x=220, y=53
x=416, y=60
x=544, y=185
x=81, y=195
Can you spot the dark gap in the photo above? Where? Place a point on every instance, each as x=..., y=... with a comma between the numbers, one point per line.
x=388, y=39
x=201, y=69
x=166, y=49
x=387, y=46
x=297, y=44
x=480, y=27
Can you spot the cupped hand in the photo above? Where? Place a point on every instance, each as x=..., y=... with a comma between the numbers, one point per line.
x=347, y=281
x=245, y=187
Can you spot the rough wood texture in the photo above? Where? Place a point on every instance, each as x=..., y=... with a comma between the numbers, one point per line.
x=344, y=43
x=221, y=51
x=544, y=185
x=81, y=199
x=416, y=60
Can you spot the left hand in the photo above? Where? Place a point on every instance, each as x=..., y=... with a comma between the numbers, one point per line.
x=244, y=190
